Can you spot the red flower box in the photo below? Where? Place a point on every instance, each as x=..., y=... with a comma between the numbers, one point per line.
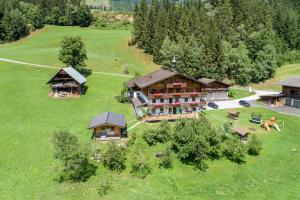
x=158, y=95
x=177, y=84
x=158, y=105
x=176, y=104
x=177, y=94
x=194, y=94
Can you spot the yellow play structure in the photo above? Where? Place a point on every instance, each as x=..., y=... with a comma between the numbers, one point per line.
x=278, y=125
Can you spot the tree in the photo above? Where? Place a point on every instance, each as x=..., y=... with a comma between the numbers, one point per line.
x=73, y=53
x=84, y=16
x=114, y=157
x=166, y=160
x=238, y=63
x=255, y=146
x=64, y=144
x=195, y=141
x=140, y=163
x=54, y=16
x=74, y=159
x=162, y=134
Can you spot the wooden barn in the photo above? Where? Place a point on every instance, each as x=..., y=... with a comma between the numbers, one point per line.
x=67, y=82
x=108, y=126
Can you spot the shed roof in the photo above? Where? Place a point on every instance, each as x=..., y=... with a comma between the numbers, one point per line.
x=108, y=118
x=292, y=82
x=241, y=131
x=73, y=73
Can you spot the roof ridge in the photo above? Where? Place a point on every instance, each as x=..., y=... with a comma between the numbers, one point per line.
x=107, y=117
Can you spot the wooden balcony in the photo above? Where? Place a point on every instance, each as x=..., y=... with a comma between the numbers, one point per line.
x=178, y=104
x=176, y=85
x=178, y=94
x=170, y=117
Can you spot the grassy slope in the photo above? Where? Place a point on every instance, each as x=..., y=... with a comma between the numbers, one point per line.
x=27, y=167
x=107, y=49
x=282, y=73
x=239, y=93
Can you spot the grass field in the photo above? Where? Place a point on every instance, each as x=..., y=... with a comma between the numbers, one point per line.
x=28, y=118
x=282, y=73
x=239, y=93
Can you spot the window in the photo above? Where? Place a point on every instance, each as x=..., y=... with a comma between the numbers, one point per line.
x=170, y=100
x=186, y=100
x=153, y=100
x=161, y=110
x=170, y=110
x=153, y=91
x=161, y=100
x=177, y=90
x=194, y=109
x=176, y=100
x=153, y=111
x=193, y=99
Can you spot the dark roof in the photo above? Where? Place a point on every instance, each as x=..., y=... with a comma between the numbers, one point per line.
x=151, y=78
x=160, y=75
x=108, y=118
x=73, y=73
x=273, y=95
x=292, y=82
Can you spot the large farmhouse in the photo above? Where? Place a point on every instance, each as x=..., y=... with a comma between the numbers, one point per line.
x=67, y=82
x=165, y=92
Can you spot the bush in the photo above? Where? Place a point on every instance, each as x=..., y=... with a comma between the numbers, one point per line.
x=231, y=93
x=255, y=146
x=166, y=160
x=140, y=164
x=234, y=150
x=162, y=134
x=104, y=187
x=114, y=157
x=150, y=136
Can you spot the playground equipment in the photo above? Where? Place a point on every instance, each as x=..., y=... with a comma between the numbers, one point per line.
x=256, y=118
x=273, y=123
x=233, y=114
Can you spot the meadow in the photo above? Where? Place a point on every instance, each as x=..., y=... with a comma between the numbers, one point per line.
x=28, y=119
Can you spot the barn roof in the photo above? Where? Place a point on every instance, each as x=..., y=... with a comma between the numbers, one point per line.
x=292, y=82
x=110, y=118
x=73, y=73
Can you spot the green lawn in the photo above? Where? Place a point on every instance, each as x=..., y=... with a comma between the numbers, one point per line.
x=282, y=73
x=107, y=49
x=239, y=93
x=28, y=118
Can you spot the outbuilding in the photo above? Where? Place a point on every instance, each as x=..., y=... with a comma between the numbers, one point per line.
x=67, y=82
x=108, y=125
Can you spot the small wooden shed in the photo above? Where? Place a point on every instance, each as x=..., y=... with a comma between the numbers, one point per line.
x=108, y=125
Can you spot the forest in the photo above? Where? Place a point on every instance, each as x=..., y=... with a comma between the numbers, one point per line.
x=244, y=41
x=19, y=18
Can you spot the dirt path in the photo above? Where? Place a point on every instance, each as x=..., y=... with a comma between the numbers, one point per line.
x=52, y=67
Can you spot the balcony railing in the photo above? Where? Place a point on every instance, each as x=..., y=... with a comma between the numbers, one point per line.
x=177, y=104
x=177, y=94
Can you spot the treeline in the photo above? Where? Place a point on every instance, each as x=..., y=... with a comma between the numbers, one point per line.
x=18, y=18
x=244, y=41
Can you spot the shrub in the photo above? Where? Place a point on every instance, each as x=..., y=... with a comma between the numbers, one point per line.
x=114, y=157
x=162, y=134
x=104, y=187
x=231, y=93
x=166, y=160
x=140, y=164
x=234, y=150
x=150, y=136
x=255, y=146
x=131, y=139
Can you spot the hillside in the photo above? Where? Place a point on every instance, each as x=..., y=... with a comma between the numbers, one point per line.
x=115, y=5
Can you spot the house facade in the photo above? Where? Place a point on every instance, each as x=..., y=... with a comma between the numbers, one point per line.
x=291, y=91
x=67, y=82
x=166, y=92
